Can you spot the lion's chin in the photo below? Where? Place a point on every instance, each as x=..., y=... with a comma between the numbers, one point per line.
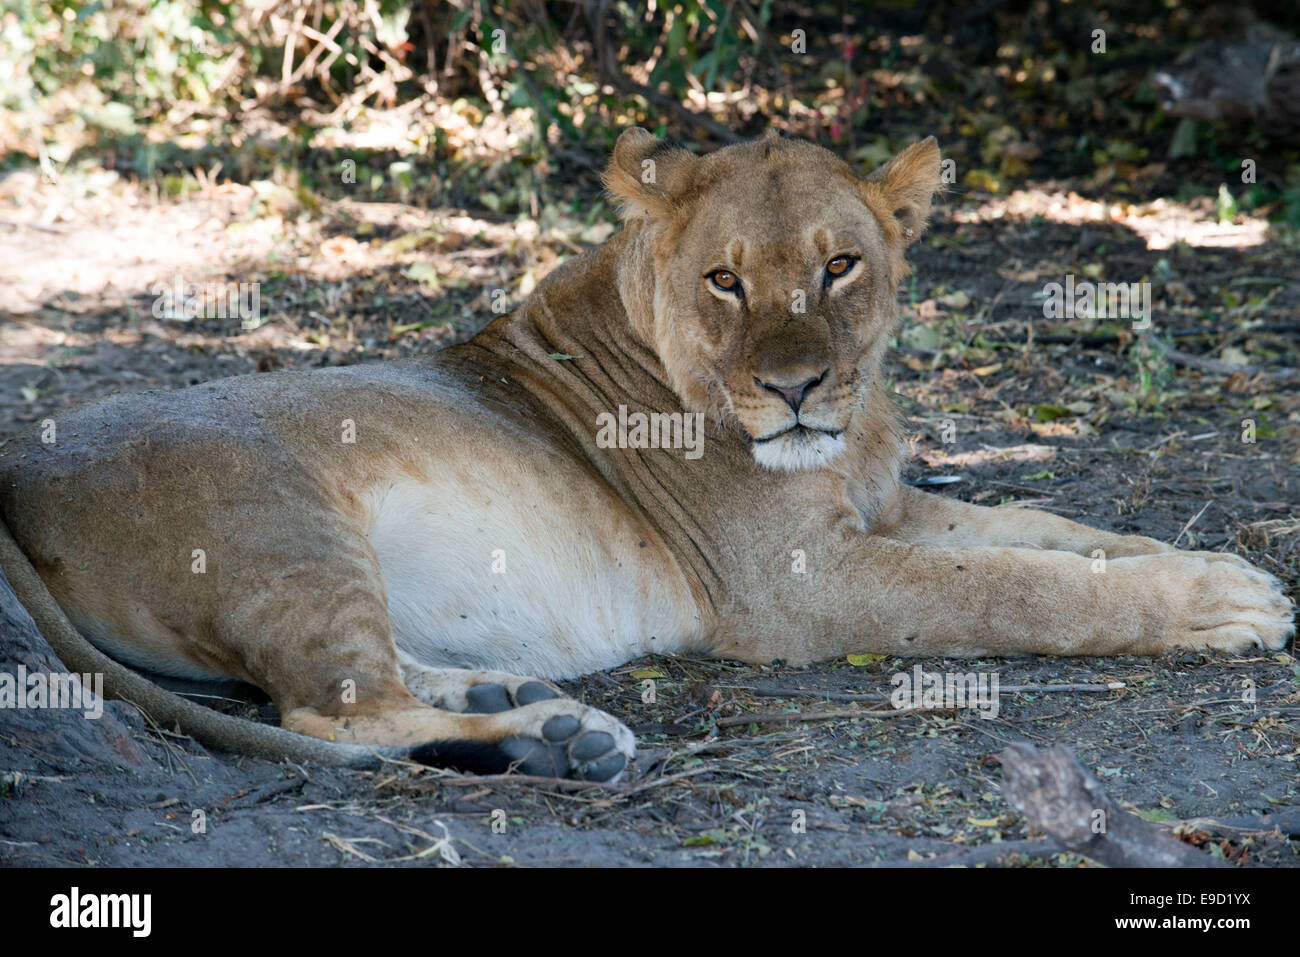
x=799, y=450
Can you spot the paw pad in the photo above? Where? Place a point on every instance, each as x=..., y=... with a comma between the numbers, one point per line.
x=494, y=698
x=532, y=692
x=561, y=728
x=589, y=757
x=487, y=699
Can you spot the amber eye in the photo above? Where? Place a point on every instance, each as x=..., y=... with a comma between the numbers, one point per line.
x=724, y=280
x=840, y=265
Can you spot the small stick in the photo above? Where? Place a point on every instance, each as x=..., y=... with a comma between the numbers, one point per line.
x=994, y=854
x=171, y=748
x=736, y=719
x=1191, y=521
x=784, y=692
x=40, y=227
x=1216, y=366
x=659, y=782
x=567, y=784
x=348, y=847
x=1284, y=819
x=562, y=784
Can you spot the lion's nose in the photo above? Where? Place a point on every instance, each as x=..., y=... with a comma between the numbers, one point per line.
x=793, y=394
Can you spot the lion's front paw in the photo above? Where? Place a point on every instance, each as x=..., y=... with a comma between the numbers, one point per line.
x=1222, y=601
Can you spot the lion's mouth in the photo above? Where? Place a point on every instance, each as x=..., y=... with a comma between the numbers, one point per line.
x=800, y=431
x=799, y=448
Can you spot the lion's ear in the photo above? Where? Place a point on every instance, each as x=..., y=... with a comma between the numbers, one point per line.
x=905, y=185
x=647, y=175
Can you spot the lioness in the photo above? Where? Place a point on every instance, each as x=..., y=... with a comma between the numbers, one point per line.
x=397, y=553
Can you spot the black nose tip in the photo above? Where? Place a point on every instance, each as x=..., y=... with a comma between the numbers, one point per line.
x=793, y=394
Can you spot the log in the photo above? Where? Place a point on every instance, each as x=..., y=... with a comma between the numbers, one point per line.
x=1053, y=792
x=1254, y=79
x=52, y=732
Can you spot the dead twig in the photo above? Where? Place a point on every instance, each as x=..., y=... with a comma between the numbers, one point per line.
x=740, y=719
x=611, y=73
x=39, y=227
x=559, y=784
x=1284, y=819
x=347, y=846
x=172, y=750
x=1216, y=366
x=1191, y=521
x=670, y=779
x=847, y=696
x=1000, y=854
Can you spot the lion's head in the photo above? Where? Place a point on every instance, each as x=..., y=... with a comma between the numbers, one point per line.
x=774, y=274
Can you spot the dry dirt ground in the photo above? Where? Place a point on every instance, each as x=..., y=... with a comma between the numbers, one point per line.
x=1076, y=416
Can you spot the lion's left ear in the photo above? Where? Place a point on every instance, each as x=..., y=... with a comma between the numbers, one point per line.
x=902, y=188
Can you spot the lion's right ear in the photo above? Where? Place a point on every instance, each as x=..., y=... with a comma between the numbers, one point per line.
x=647, y=175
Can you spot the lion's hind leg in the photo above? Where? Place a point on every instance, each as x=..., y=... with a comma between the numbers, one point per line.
x=554, y=738
x=485, y=722
x=321, y=646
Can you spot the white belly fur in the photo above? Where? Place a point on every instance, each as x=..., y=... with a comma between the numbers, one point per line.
x=571, y=598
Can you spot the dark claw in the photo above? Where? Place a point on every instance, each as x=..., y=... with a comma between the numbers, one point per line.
x=487, y=699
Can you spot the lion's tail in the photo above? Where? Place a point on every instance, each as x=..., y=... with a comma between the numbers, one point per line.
x=208, y=727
